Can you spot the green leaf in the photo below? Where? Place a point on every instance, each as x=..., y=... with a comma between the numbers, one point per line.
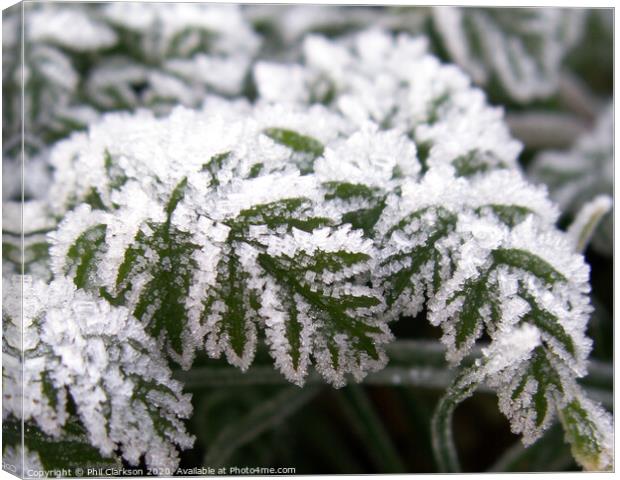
x=362, y=218
x=541, y=382
x=70, y=451
x=589, y=431
x=482, y=303
x=165, y=255
x=309, y=148
x=83, y=256
x=500, y=48
x=406, y=286
x=161, y=303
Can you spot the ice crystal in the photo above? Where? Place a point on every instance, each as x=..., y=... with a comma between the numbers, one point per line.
x=101, y=362
x=576, y=177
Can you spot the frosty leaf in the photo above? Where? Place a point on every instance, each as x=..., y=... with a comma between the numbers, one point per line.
x=530, y=397
x=165, y=255
x=306, y=146
x=293, y=22
x=520, y=49
x=51, y=77
x=578, y=176
x=298, y=276
x=81, y=59
x=45, y=452
x=533, y=389
x=524, y=283
x=485, y=253
x=393, y=82
x=100, y=374
x=241, y=242
x=533, y=385
x=359, y=173
x=172, y=54
x=152, y=275
x=589, y=430
x=109, y=158
x=70, y=27
x=422, y=239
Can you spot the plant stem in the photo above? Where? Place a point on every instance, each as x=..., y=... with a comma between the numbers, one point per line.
x=444, y=448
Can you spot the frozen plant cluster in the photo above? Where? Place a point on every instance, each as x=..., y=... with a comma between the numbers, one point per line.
x=81, y=60
x=395, y=83
x=321, y=224
x=81, y=350
x=517, y=51
x=209, y=237
x=309, y=201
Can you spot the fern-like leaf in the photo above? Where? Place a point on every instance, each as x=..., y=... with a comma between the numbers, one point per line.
x=98, y=379
x=362, y=76
x=241, y=243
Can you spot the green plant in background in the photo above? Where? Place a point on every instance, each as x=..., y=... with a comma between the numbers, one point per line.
x=82, y=60
x=578, y=176
x=517, y=53
x=331, y=202
x=103, y=365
